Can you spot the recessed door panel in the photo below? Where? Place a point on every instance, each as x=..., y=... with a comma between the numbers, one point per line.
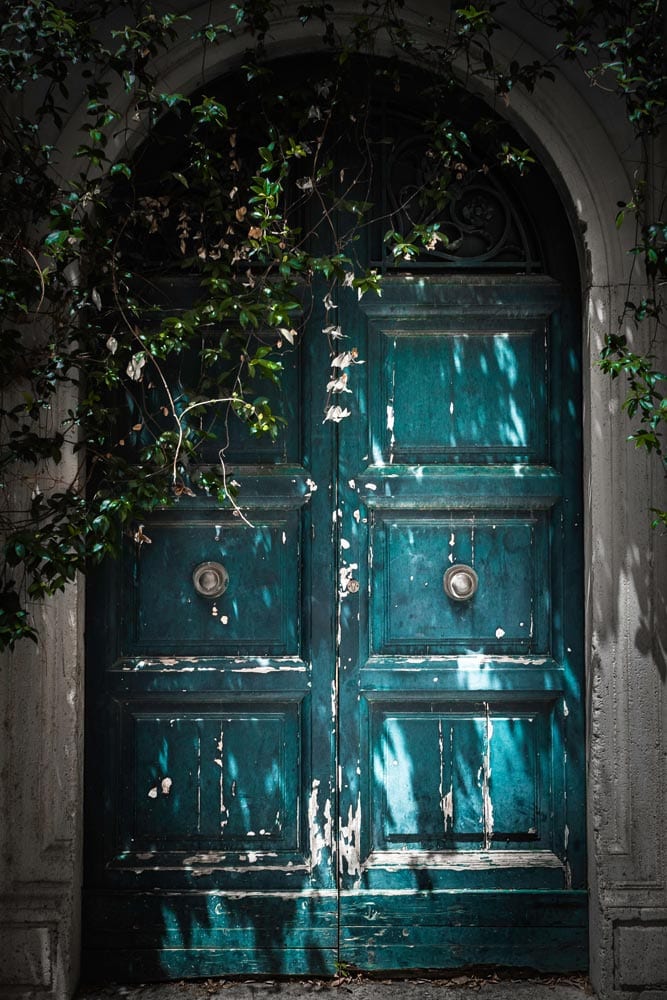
x=257, y=613
x=457, y=392
x=461, y=776
x=208, y=780
x=508, y=610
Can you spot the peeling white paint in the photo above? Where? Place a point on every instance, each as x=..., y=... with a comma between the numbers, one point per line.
x=317, y=836
x=356, y=514
x=205, y=857
x=352, y=484
x=452, y=540
x=458, y=861
x=568, y=875
x=344, y=544
x=390, y=428
x=218, y=530
x=370, y=486
x=487, y=804
x=265, y=669
x=328, y=824
x=165, y=785
x=152, y=793
x=199, y=784
x=500, y=632
x=349, y=841
x=446, y=799
x=224, y=811
x=566, y=710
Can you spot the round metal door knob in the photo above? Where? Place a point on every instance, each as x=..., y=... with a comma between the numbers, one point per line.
x=460, y=582
x=210, y=579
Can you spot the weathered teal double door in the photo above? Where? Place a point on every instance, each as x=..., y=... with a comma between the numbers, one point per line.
x=369, y=748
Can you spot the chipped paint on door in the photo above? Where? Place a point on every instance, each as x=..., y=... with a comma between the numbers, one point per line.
x=461, y=756
x=210, y=756
x=338, y=759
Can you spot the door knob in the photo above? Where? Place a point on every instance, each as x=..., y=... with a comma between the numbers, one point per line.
x=460, y=582
x=210, y=579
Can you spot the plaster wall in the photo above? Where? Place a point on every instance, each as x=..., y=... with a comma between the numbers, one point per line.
x=41, y=709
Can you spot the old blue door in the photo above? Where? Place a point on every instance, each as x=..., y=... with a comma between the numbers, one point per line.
x=459, y=664
x=346, y=725
x=210, y=747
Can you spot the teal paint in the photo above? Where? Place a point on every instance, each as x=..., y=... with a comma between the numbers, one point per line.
x=219, y=839
x=463, y=759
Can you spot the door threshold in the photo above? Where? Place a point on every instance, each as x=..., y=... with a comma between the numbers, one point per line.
x=460, y=984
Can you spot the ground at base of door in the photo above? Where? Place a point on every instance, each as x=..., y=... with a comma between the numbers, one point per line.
x=501, y=985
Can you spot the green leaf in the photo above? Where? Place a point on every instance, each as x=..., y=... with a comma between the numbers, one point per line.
x=56, y=238
x=121, y=168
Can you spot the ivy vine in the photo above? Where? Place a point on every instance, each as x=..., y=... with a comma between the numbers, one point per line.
x=239, y=189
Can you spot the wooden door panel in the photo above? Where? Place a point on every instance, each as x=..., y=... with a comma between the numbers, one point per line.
x=411, y=613
x=258, y=614
x=447, y=928
x=210, y=758
x=448, y=391
x=462, y=765
x=198, y=780
x=462, y=776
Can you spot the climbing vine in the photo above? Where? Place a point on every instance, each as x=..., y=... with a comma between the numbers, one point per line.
x=621, y=48
x=117, y=395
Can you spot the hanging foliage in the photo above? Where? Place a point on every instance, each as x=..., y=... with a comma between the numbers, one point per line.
x=119, y=396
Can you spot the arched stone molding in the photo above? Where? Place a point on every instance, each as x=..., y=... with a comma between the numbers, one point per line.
x=626, y=570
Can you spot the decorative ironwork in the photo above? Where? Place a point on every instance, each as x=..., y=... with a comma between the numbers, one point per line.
x=476, y=216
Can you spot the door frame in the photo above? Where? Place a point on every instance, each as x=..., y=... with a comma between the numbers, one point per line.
x=228, y=64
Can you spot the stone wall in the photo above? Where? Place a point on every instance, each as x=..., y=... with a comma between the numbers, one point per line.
x=41, y=791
